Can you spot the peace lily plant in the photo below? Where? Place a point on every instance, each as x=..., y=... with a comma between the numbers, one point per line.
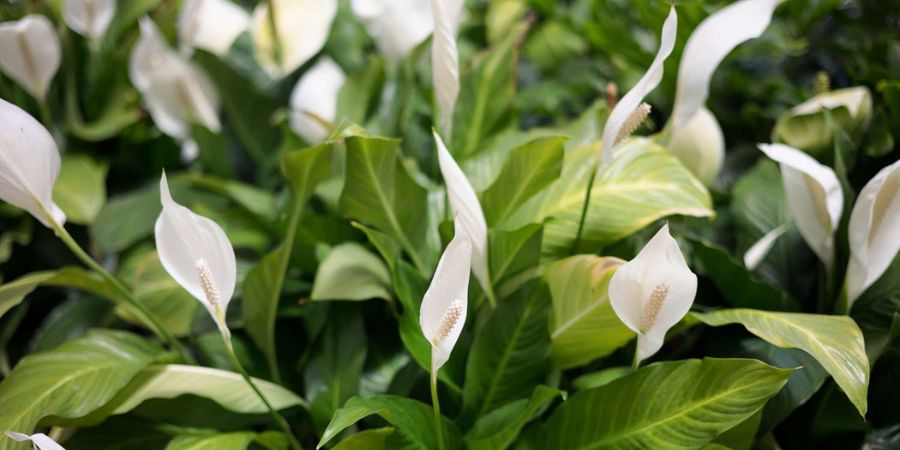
x=287, y=33
x=89, y=18
x=30, y=54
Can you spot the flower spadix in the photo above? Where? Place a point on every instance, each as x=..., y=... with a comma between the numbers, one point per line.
x=211, y=25
x=874, y=230
x=30, y=53
x=89, y=18
x=195, y=251
x=444, y=307
x=814, y=197
x=301, y=28
x=467, y=211
x=629, y=112
x=653, y=291
x=314, y=100
x=40, y=440
x=29, y=165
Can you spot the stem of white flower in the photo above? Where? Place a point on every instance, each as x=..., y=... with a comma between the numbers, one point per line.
x=277, y=55
x=584, y=208
x=279, y=419
x=636, y=362
x=439, y=432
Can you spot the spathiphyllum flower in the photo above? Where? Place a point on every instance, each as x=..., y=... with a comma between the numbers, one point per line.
x=176, y=91
x=211, y=25
x=29, y=165
x=445, y=61
x=696, y=137
x=314, y=100
x=30, y=53
x=443, y=310
x=874, y=230
x=653, y=291
x=629, y=112
x=397, y=26
x=806, y=126
x=814, y=197
x=89, y=18
x=468, y=212
x=195, y=251
x=301, y=29
x=39, y=440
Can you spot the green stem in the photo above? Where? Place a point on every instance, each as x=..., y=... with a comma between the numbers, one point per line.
x=636, y=362
x=584, y=209
x=279, y=419
x=843, y=306
x=137, y=307
x=439, y=432
x=46, y=116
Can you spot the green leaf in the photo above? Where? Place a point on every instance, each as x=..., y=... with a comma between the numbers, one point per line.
x=151, y=285
x=387, y=246
x=12, y=293
x=413, y=420
x=583, y=325
x=498, y=429
x=122, y=109
x=740, y=437
x=126, y=219
x=510, y=353
x=376, y=439
x=600, y=378
x=361, y=91
x=835, y=341
x=224, y=441
x=669, y=405
x=72, y=380
x=125, y=16
x=379, y=191
x=876, y=308
x=513, y=253
x=80, y=189
x=350, y=272
x=121, y=433
x=528, y=169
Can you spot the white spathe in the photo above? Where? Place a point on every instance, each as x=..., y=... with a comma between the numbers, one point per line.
x=631, y=100
x=195, y=251
x=758, y=251
x=397, y=26
x=301, y=26
x=855, y=99
x=700, y=145
x=814, y=197
x=653, y=291
x=29, y=165
x=30, y=53
x=149, y=54
x=874, y=230
x=315, y=98
x=467, y=211
x=211, y=25
x=89, y=18
x=445, y=63
x=444, y=306
x=40, y=440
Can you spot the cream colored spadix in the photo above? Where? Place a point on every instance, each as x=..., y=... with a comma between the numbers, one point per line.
x=444, y=62
x=397, y=26
x=444, y=306
x=195, y=251
x=653, y=291
x=89, y=18
x=814, y=197
x=630, y=102
x=314, y=99
x=301, y=29
x=40, y=440
x=468, y=213
x=874, y=230
x=211, y=25
x=30, y=53
x=29, y=165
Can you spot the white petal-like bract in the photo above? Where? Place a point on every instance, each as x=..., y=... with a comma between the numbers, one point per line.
x=301, y=26
x=30, y=53
x=315, y=99
x=149, y=54
x=397, y=26
x=758, y=251
x=211, y=25
x=653, y=291
x=195, y=251
x=874, y=230
x=445, y=63
x=40, y=440
x=700, y=145
x=467, y=211
x=630, y=101
x=814, y=197
x=89, y=18
x=444, y=306
x=29, y=165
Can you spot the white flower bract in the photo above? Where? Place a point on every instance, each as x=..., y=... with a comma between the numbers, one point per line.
x=30, y=53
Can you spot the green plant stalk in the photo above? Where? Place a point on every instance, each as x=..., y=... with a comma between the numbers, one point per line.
x=279, y=419
x=439, y=432
x=636, y=362
x=843, y=305
x=584, y=208
x=136, y=306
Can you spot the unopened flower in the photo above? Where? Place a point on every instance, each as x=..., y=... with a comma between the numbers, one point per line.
x=301, y=29
x=444, y=306
x=195, y=251
x=29, y=165
x=30, y=53
x=40, y=440
x=314, y=100
x=445, y=62
x=653, y=291
x=89, y=18
x=814, y=197
x=874, y=230
x=806, y=126
x=211, y=25
x=700, y=145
